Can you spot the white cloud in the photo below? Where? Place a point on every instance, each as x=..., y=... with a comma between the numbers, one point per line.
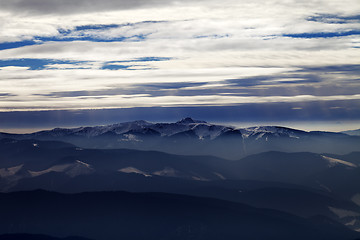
x=206, y=41
x=126, y=101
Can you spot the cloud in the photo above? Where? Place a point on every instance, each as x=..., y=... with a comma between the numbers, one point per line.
x=40, y=64
x=256, y=114
x=3, y=95
x=334, y=19
x=71, y=7
x=323, y=34
x=106, y=54
x=144, y=100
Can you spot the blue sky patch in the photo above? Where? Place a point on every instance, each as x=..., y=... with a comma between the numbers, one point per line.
x=9, y=45
x=143, y=59
x=334, y=19
x=116, y=67
x=79, y=34
x=323, y=34
x=111, y=65
x=96, y=27
x=34, y=64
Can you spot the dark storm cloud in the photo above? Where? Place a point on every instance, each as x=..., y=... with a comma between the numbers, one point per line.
x=78, y=6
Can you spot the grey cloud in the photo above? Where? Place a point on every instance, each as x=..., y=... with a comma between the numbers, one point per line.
x=271, y=80
x=154, y=90
x=315, y=81
x=343, y=69
x=310, y=111
x=78, y=6
x=6, y=95
x=334, y=19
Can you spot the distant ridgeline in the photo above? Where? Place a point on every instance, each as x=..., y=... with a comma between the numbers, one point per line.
x=280, y=183
x=194, y=137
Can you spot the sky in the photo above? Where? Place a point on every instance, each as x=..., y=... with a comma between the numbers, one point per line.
x=88, y=62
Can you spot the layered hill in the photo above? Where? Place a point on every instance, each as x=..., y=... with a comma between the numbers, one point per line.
x=123, y=215
x=327, y=183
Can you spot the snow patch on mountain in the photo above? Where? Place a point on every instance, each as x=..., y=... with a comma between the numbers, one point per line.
x=197, y=178
x=208, y=131
x=260, y=131
x=356, y=199
x=130, y=138
x=342, y=213
x=79, y=168
x=220, y=176
x=8, y=172
x=134, y=170
x=334, y=162
x=71, y=169
x=166, y=172
x=324, y=186
x=56, y=168
x=351, y=223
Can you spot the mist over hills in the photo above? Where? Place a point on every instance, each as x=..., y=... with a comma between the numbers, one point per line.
x=308, y=194
x=353, y=132
x=196, y=137
x=328, y=183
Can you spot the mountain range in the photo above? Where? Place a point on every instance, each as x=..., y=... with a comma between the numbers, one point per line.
x=195, y=137
x=111, y=182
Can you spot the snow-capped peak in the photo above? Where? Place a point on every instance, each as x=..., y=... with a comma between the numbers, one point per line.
x=189, y=120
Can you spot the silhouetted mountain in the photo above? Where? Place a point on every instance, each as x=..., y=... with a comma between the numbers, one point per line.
x=123, y=215
x=195, y=137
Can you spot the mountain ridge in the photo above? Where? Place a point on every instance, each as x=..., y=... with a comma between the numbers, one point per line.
x=197, y=137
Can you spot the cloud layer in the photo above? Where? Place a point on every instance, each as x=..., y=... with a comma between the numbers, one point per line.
x=87, y=54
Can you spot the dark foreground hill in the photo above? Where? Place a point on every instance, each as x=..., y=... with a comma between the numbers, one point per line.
x=24, y=236
x=124, y=215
